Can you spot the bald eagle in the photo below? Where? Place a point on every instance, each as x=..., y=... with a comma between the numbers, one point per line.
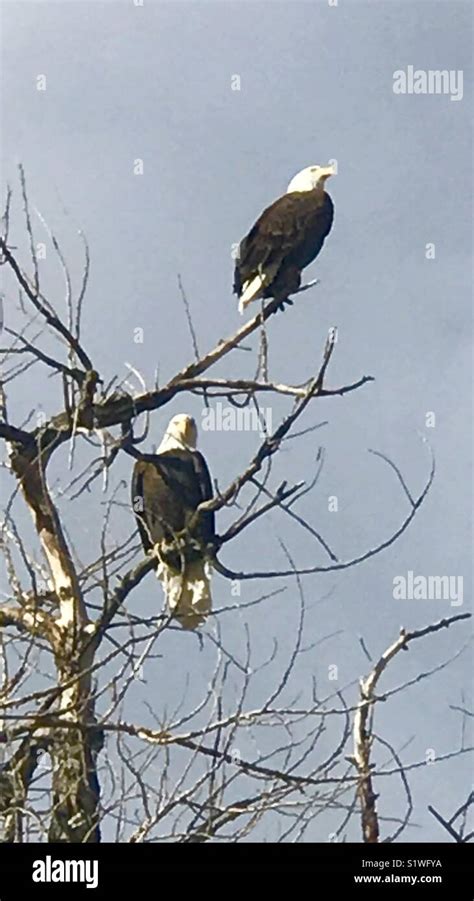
x=167, y=488
x=285, y=239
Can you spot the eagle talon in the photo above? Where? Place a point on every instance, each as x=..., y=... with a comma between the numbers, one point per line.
x=281, y=305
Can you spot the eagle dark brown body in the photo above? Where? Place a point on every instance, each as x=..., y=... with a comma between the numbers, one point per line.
x=167, y=489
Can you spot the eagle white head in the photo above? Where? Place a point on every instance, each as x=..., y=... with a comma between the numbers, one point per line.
x=180, y=434
x=310, y=178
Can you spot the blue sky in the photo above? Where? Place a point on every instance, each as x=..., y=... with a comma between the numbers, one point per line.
x=154, y=83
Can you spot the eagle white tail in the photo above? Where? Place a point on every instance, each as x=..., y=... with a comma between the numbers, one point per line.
x=188, y=594
x=251, y=290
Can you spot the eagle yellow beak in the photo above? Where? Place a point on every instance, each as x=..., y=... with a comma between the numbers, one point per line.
x=327, y=171
x=190, y=431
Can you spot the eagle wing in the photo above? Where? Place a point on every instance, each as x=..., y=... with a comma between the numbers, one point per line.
x=207, y=526
x=279, y=232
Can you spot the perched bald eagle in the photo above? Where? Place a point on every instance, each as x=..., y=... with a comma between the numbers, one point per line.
x=167, y=488
x=285, y=239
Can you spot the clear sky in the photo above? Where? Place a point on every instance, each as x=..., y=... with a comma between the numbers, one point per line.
x=157, y=83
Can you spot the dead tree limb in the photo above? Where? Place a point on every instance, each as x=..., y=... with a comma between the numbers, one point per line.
x=363, y=734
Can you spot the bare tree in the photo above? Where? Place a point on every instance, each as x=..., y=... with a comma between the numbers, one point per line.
x=72, y=647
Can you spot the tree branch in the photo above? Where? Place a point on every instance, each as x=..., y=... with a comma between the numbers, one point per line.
x=51, y=318
x=363, y=736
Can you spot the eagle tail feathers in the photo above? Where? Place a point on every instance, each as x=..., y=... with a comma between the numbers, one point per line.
x=251, y=290
x=188, y=593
